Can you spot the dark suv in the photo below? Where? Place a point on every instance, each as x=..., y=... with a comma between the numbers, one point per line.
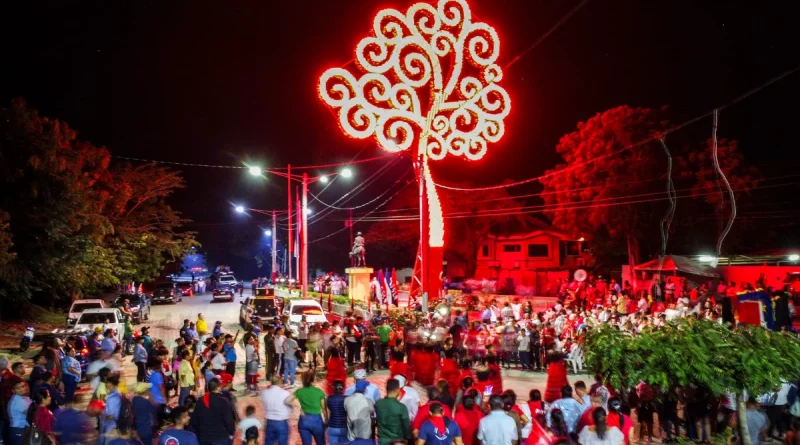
x=167, y=293
x=139, y=304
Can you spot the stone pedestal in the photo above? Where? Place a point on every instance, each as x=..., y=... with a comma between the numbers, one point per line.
x=358, y=282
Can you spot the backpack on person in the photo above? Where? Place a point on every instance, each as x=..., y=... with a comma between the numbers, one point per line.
x=125, y=417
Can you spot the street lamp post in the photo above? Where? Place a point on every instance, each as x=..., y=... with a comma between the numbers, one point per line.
x=274, y=248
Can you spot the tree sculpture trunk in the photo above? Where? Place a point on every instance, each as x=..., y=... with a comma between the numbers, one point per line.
x=741, y=421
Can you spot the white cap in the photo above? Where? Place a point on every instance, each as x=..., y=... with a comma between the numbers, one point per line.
x=360, y=374
x=401, y=379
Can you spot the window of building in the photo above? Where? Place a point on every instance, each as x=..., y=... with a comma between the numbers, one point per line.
x=538, y=250
x=570, y=248
x=485, y=250
x=511, y=248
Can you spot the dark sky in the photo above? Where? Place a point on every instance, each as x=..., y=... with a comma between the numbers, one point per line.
x=219, y=82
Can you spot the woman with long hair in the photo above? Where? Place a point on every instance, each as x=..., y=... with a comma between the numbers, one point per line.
x=600, y=433
x=42, y=417
x=556, y=376
x=558, y=425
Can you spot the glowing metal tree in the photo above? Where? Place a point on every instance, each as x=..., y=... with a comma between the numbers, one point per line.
x=427, y=80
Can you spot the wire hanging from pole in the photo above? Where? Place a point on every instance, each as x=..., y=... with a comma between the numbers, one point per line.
x=722, y=176
x=666, y=221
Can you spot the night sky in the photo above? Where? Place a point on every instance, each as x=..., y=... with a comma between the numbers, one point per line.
x=216, y=82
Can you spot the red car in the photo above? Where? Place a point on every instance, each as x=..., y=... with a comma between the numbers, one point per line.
x=186, y=289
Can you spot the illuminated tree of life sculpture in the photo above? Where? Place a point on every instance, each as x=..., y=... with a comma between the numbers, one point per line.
x=427, y=80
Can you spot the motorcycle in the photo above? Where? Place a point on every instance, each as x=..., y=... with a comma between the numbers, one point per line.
x=27, y=338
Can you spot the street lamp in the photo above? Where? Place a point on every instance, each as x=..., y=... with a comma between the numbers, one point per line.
x=255, y=170
x=239, y=209
x=323, y=179
x=794, y=257
x=346, y=173
x=268, y=232
x=308, y=211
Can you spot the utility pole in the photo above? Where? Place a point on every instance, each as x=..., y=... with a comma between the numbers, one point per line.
x=300, y=230
x=290, y=239
x=304, y=236
x=274, y=247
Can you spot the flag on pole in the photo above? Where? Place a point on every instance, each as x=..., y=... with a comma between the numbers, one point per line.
x=395, y=286
x=388, y=287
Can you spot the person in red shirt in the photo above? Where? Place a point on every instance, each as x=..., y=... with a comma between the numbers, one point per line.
x=425, y=364
x=495, y=377
x=586, y=418
x=556, y=377
x=617, y=419
x=43, y=417
x=336, y=370
x=450, y=372
x=468, y=417
x=398, y=365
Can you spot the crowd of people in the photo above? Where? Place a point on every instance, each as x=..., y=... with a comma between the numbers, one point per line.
x=185, y=395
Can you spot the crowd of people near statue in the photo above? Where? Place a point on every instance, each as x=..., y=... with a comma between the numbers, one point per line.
x=330, y=283
x=185, y=395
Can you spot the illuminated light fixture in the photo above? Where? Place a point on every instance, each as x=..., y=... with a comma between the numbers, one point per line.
x=706, y=258
x=268, y=232
x=580, y=240
x=794, y=257
x=347, y=173
x=239, y=209
x=436, y=53
x=323, y=179
x=308, y=211
x=436, y=220
x=255, y=170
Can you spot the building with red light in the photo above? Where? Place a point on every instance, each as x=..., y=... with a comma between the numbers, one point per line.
x=534, y=260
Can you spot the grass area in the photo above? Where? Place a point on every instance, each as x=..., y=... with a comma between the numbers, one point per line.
x=40, y=315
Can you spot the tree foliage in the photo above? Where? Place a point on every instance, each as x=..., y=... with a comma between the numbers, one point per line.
x=604, y=188
x=695, y=353
x=74, y=224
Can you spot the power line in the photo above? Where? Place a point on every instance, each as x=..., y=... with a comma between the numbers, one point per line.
x=630, y=146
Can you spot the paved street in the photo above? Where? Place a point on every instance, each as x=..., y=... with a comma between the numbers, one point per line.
x=167, y=319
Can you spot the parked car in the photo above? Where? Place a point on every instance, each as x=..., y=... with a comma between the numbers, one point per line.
x=264, y=307
x=295, y=309
x=223, y=292
x=227, y=279
x=167, y=292
x=78, y=306
x=105, y=318
x=140, y=306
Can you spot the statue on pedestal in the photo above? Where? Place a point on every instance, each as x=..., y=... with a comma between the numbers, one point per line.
x=358, y=254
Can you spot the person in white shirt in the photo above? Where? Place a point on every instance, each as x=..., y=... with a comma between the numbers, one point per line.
x=249, y=421
x=277, y=410
x=371, y=392
x=497, y=428
x=278, y=342
x=409, y=397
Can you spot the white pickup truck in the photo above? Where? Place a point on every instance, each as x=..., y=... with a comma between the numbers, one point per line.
x=106, y=318
x=78, y=306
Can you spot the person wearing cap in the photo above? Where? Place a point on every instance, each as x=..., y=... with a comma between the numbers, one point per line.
x=144, y=412
x=371, y=391
x=359, y=409
x=391, y=416
x=408, y=396
x=217, y=332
